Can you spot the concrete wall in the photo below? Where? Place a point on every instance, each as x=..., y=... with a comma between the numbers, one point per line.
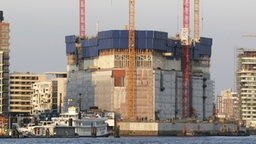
x=165, y=92
x=61, y=92
x=203, y=69
x=172, y=84
x=133, y=126
x=104, y=89
x=119, y=99
x=102, y=62
x=196, y=126
x=197, y=92
x=161, y=62
x=106, y=61
x=144, y=96
x=159, y=88
x=96, y=89
x=79, y=87
x=168, y=128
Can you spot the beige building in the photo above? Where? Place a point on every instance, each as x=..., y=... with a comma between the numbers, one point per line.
x=21, y=91
x=4, y=65
x=226, y=104
x=59, y=83
x=246, y=85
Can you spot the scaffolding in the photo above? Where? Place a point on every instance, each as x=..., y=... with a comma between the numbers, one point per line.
x=143, y=58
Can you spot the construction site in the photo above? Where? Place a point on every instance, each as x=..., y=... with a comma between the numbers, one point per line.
x=147, y=77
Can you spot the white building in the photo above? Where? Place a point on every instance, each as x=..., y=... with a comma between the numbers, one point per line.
x=41, y=99
x=246, y=85
x=48, y=95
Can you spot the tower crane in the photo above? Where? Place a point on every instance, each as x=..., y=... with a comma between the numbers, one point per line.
x=249, y=35
x=82, y=18
x=196, y=20
x=186, y=111
x=81, y=30
x=130, y=89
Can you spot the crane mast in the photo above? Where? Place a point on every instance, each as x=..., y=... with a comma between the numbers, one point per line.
x=130, y=89
x=82, y=18
x=186, y=111
x=196, y=20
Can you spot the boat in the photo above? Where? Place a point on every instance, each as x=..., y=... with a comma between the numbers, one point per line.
x=70, y=124
x=85, y=125
x=46, y=129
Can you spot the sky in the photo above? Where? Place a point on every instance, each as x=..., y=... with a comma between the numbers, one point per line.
x=38, y=29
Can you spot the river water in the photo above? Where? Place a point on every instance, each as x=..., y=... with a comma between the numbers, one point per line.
x=134, y=140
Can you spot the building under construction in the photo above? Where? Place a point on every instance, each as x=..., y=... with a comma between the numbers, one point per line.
x=141, y=75
x=97, y=74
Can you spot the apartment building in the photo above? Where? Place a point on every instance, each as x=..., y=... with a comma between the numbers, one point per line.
x=41, y=100
x=227, y=104
x=4, y=65
x=246, y=85
x=21, y=91
x=48, y=95
x=59, y=83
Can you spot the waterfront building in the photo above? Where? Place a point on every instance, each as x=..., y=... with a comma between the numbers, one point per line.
x=41, y=100
x=4, y=64
x=48, y=95
x=246, y=85
x=97, y=70
x=21, y=91
x=59, y=83
x=227, y=104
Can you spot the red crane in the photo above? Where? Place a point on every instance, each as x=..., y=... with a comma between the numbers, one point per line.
x=186, y=60
x=82, y=18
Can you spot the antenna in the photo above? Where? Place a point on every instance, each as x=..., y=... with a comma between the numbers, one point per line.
x=196, y=20
x=178, y=16
x=202, y=18
x=97, y=27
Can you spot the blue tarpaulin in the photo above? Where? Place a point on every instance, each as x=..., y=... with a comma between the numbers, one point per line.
x=155, y=40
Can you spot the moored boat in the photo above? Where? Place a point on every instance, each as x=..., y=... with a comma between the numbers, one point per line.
x=70, y=124
x=85, y=126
